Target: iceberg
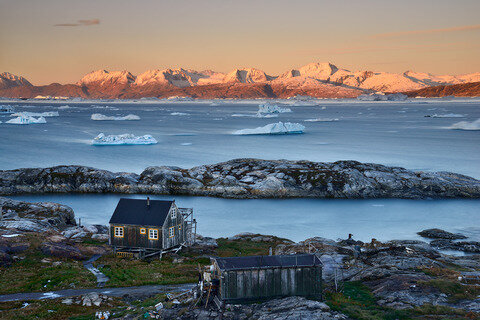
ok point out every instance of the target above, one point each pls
(26, 120)
(270, 110)
(465, 125)
(65, 107)
(5, 108)
(101, 117)
(122, 139)
(273, 128)
(382, 97)
(36, 114)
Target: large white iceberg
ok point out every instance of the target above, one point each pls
(273, 128)
(26, 120)
(268, 110)
(36, 114)
(102, 117)
(465, 125)
(122, 139)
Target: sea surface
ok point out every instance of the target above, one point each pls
(196, 133)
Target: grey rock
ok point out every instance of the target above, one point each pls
(465, 246)
(61, 250)
(440, 234)
(249, 178)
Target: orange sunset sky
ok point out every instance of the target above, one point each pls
(60, 40)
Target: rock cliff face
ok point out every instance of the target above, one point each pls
(249, 178)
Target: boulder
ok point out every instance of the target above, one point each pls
(440, 234)
(61, 250)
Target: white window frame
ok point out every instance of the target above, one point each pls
(118, 232)
(152, 234)
(174, 213)
(171, 232)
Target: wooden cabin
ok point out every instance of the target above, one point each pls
(242, 279)
(144, 227)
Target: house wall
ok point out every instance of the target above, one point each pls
(133, 239)
(179, 226)
(257, 284)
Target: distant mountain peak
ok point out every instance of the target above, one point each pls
(9, 80)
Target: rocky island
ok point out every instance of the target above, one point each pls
(248, 178)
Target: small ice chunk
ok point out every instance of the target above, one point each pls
(321, 120)
(36, 114)
(6, 108)
(447, 115)
(465, 125)
(26, 120)
(186, 144)
(267, 110)
(273, 128)
(179, 114)
(102, 117)
(122, 139)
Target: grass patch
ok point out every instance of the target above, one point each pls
(32, 275)
(453, 289)
(237, 248)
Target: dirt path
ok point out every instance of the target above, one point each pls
(140, 291)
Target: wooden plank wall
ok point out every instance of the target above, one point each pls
(273, 282)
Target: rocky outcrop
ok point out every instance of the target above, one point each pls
(62, 250)
(249, 178)
(458, 90)
(36, 217)
(440, 234)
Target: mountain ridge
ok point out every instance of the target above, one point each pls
(323, 80)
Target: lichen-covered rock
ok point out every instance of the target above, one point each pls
(62, 250)
(249, 178)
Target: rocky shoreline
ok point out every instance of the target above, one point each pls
(248, 178)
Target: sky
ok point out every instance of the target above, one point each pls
(61, 40)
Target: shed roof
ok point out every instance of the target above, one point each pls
(260, 262)
(137, 212)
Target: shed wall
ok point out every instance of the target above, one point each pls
(271, 282)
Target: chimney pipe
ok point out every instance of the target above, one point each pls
(148, 202)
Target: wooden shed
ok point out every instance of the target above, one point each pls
(264, 277)
(144, 227)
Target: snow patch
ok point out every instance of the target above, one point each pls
(465, 125)
(102, 117)
(273, 128)
(122, 139)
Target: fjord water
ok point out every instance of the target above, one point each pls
(195, 133)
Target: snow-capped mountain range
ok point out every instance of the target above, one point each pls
(317, 79)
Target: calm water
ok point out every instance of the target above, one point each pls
(389, 133)
(298, 219)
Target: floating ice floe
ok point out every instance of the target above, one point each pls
(447, 115)
(273, 128)
(382, 97)
(36, 114)
(186, 144)
(95, 106)
(321, 120)
(465, 125)
(102, 117)
(179, 114)
(5, 108)
(65, 107)
(122, 139)
(26, 120)
(268, 110)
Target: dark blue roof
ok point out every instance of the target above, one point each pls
(258, 262)
(136, 212)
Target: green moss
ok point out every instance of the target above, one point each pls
(453, 289)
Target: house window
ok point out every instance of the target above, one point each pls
(152, 234)
(171, 232)
(179, 227)
(118, 232)
(143, 231)
(174, 213)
